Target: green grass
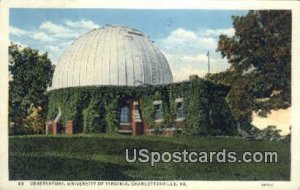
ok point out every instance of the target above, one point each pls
(102, 157)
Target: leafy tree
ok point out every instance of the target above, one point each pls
(34, 121)
(270, 133)
(31, 73)
(259, 55)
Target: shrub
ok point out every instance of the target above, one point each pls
(34, 123)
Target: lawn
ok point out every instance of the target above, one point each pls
(102, 157)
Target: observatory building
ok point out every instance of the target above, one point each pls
(114, 79)
(112, 55)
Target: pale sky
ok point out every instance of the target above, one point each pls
(280, 118)
(184, 36)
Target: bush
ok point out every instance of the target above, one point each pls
(270, 133)
(16, 129)
(34, 123)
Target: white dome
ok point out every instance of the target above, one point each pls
(112, 55)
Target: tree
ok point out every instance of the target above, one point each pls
(270, 133)
(259, 55)
(31, 74)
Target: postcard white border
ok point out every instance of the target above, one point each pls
(157, 4)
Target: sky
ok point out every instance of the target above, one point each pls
(184, 36)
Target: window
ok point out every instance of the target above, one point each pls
(158, 112)
(180, 108)
(124, 115)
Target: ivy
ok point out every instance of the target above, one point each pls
(96, 109)
(112, 116)
(93, 117)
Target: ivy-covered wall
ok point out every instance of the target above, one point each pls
(96, 109)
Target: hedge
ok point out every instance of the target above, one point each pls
(95, 109)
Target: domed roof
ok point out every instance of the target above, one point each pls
(111, 55)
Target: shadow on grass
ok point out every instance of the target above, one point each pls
(90, 145)
(36, 168)
(70, 159)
